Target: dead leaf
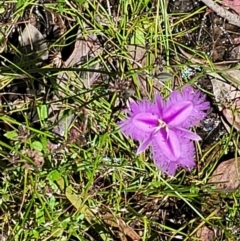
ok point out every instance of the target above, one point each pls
(85, 48)
(226, 94)
(232, 114)
(233, 4)
(122, 226)
(226, 179)
(205, 234)
(33, 43)
(226, 176)
(222, 12)
(223, 89)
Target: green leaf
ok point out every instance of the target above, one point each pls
(45, 143)
(65, 223)
(52, 202)
(55, 176)
(138, 37)
(19, 3)
(35, 234)
(164, 77)
(74, 155)
(2, 10)
(12, 135)
(36, 145)
(40, 216)
(43, 112)
(74, 199)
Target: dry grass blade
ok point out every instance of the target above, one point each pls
(122, 226)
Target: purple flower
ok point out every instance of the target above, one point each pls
(164, 125)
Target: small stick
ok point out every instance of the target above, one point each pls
(222, 12)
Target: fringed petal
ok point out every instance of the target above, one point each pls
(198, 100)
(144, 145)
(186, 159)
(177, 113)
(189, 134)
(168, 143)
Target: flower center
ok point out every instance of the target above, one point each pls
(161, 124)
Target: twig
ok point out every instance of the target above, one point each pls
(232, 18)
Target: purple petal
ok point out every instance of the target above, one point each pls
(177, 113)
(143, 106)
(200, 105)
(198, 100)
(168, 143)
(132, 131)
(142, 115)
(187, 163)
(144, 145)
(189, 134)
(186, 160)
(145, 122)
(172, 168)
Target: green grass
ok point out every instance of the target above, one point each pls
(92, 186)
